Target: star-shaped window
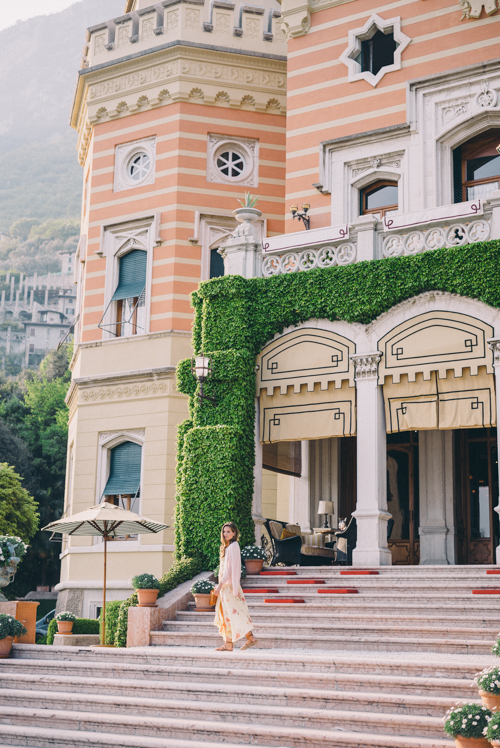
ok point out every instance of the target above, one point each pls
(375, 49)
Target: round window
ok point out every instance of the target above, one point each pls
(231, 164)
(139, 167)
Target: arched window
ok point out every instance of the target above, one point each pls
(379, 198)
(476, 167)
(130, 294)
(123, 486)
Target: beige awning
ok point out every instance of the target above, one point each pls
(306, 415)
(450, 403)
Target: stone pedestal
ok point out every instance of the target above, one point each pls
(371, 504)
(366, 226)
(77, 640)
(24, 611)
(241, 251)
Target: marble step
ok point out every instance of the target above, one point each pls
(356, 643)
(144, 662)
(313, 627)
(275, 725)
(16, 690)
(386, 677)
(37, 737)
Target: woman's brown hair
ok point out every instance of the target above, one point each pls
(234, 539)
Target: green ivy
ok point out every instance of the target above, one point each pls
(80, 626)
(234, 319)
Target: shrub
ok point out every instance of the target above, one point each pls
(112, 613)
(467, 720)
(488, 680)
(80, 626)
(492, 732)
(182, 570)
(10, 626)
(145, 582)
(202, 587)
(253, 553)
(66, 615)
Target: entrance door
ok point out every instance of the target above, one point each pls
(402, 497)
(477, 521)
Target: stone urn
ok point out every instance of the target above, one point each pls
(7, 574)
(202, 601)
(65, 627)
(254, 565)
(147, 598)
(472, 742)
(247, 215)
(5, 647)
(491, 700)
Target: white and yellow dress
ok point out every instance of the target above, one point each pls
(231, 612)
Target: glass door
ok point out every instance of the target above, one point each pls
(402, 497)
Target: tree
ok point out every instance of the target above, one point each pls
(18, 510)
(22, 227)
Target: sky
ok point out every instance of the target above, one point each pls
(20, 10)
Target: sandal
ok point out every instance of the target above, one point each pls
(251, 643)
(224, 648)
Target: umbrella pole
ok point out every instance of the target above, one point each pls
(103, 633)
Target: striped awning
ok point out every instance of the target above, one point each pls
(105, 519)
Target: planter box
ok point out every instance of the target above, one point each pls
(76, 640)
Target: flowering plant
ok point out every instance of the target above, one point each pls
(488, 680)
(202, 587)
(253, 553)
(11, 627)
(496, 647)
(467, 720)
(145, 582)
(11, 547)
(65, 615)
(492, 732)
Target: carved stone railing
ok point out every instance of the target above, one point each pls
(325, 257)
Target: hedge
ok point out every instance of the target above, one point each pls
(112, 612)
(80, 626)
(234, 319)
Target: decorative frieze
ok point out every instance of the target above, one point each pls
(136, 390)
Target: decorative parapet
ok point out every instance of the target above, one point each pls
(305, 250)
(366, 364)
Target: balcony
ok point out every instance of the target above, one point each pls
(370, 238)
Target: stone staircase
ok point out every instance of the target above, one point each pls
(374, 668)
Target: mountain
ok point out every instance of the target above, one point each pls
(39, 59)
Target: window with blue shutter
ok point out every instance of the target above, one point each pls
(132, 278)
(129, 296)
(124, 470)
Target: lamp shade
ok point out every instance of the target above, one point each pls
(202, 367)
(325, 507)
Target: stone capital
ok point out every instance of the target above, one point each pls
(494, 344)
(366, 365)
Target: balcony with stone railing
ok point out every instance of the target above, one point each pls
(369, 238)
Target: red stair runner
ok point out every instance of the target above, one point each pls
(359, 573)
(486, 592)
(278, 573)
(340, 591)
(285, 600)
(305, 581)
(272, 590)
(493, 571)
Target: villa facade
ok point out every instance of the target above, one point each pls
(390, 136)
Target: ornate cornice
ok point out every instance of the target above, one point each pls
(366, 364)
(178, 74)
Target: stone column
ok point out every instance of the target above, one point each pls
(436, 529)
(241, 251)
(494, 344)
(371, 504)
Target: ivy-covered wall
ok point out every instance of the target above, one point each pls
(234, 318)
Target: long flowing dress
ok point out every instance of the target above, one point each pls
(231, 612)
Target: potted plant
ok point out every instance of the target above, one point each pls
(201, 592)
(248, 212)
(488, 684)
(9, 628)
(493, 730)
(65, 621)
(147, 588)
(254, 558)
(467, 723)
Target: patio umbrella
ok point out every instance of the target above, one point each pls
(107, 521)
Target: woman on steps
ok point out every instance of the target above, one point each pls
(231, 612)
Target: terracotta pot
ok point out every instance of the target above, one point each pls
(5, 647)
(147, 598)
(491, 700)
(254, 565)
(471, 742)
(64, 627)
(202, 600)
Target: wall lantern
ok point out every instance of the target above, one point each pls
(302, 216)
(201, 368)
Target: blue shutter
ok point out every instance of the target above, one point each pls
(132, 279)
(125, 470)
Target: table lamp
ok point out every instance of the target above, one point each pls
(326, 508)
